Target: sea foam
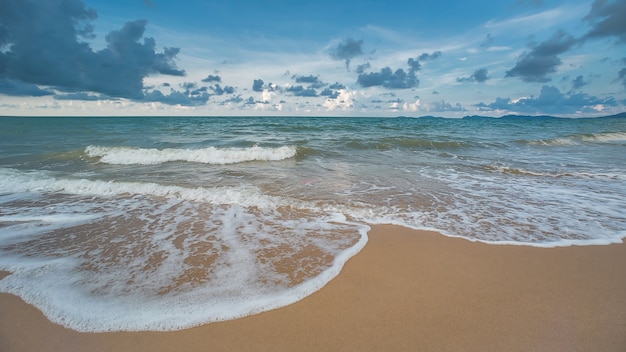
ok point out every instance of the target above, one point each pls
(209, 155)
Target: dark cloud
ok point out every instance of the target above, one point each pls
(363, 67)
(347, 50)
(44, 44)
(257, 85)
(337, 85)
(177, 98)
(479, 75)
(301, 91)
(19, 88)
(549, 101)
(306, 79)
(414, 64)
(212, 78)
(542, 60)
(578, 83)
(330, 93)
(314, 81)
(622, 76)
(607, 18)
(389, 79)
(188, 85)
(429, 57)
(218, 90)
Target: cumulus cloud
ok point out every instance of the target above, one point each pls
(177, 98)
(330, 93)
(542, 60)
(218, 90)
(44, 44)
(479, 75)
(337, 86)
(257, 85)
(301, 91)
(347, 50)
(607, 19)
(388, 79)
(550, 101)
(415, 64)
(212, 78)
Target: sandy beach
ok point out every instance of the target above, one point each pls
(405, 291)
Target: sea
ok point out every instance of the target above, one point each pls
(165, 223)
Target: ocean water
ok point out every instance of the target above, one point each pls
(126, 224)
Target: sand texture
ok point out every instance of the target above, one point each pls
(406, 291)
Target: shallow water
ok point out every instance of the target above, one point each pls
(165, 223)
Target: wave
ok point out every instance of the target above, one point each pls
(389, 143)
(13, 181)
(605, 137)
(523, 172)
(209, 155)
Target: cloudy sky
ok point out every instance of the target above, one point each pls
(317, 58)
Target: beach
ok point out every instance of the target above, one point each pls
(406, 290)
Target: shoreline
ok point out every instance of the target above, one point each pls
(406, 290)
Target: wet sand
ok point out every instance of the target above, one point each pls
(406, 291)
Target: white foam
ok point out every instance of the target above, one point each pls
(210, 155)
(39, 181)
(98, 277)
(122, 297)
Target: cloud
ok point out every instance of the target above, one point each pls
(330, 93)
(578, 83)
(607, 19)
(300, 91)
(415, 64)
(347, 50)
(218, 90)
(307, 79)
(429, 57)
(80, 96)
(177, 98)
(487, 42)
(19, 88)
(479, 75)
(388, 79)
(622, 76)
(212, 78)
(542, 60)
(337, 86)
(257, 85)
(363, 67)
(550, 101)
(442, 106)
(43, 44)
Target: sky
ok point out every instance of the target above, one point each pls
(312, 58)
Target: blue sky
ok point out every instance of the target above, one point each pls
(322, 58)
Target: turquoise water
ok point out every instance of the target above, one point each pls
(112, 224)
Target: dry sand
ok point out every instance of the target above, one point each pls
(406, 291)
